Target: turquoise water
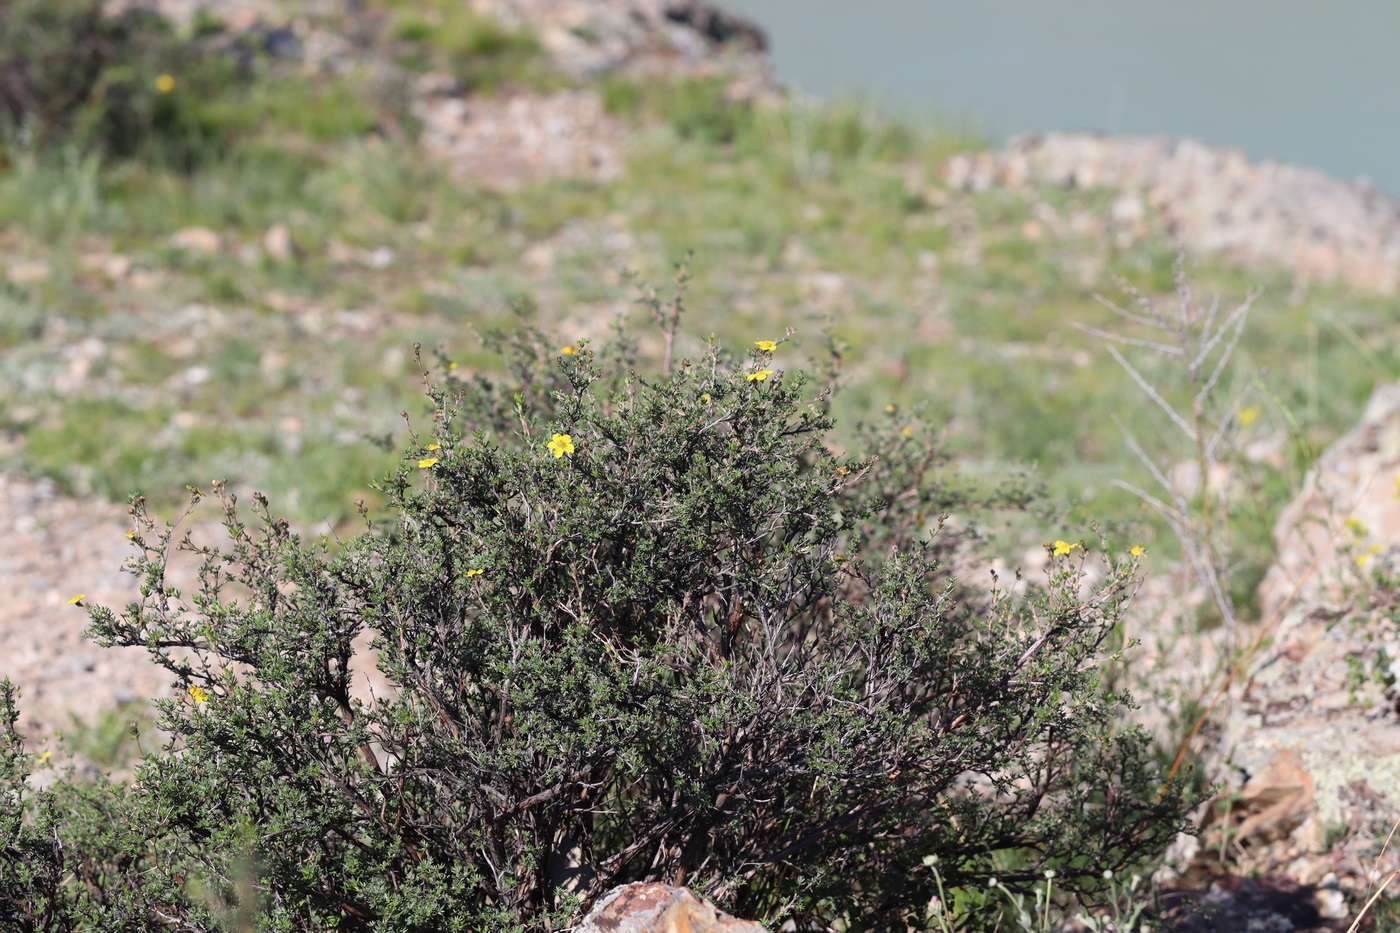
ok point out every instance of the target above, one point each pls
(1298, 80)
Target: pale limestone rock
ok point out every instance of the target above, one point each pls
(199, 240)
(1309, 743)
(278, 245)
(28, 272)
(1213, 199)
(1350, 504)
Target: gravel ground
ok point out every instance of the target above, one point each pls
(53, 548)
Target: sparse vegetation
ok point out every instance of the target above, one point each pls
(483, 54)
(679, 639)
(130, 363)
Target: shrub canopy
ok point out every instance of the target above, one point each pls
(637, 628)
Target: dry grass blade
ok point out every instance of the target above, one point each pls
(1375, 895)
(1381, 888)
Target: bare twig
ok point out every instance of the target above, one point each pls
(1152, 393)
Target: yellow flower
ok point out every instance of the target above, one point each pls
(767, 346)
(435, 447)
(561, 444)
(890, 409)
(761, 375)
(200, 694)
(1248, 415)
(1061, 548)
(474, 573)
(427, 462)
(844, 471)
(1363, 559)
(451, 365)
(1137, 550)
(705, 397)
(44, 758)
(165, 84)
(907, 432)
(1357, 527)
(570, 350)
(131, 533)
(78, 600)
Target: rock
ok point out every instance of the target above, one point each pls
(515, 138)
(505, 143)
(1213, 199)
(1344, 523)
(590, 38)
(1309, 750)
(1272, 803)
(145, 280)
(339, 252)
(1331, 904)
(652, 907)
(278, 245)
(28, 272)
(719, 27)
(200, 240)
(1232, 904)
(116, 267)
(381, 257)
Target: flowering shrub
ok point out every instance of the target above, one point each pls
(638, 628)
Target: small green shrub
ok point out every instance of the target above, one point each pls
(480, 51)
(72, 74)
(637, 628)
(32, 895)
(698, 109)
(126, 86)
(52, 56)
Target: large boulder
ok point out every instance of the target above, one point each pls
(1338, 532)
(1309, 748)
(1213, 199)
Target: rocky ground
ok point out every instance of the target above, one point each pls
(1310, 750)
(53, 548)
(1214, 200)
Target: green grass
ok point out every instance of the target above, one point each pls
(117, 737)
(482, 53)
(829, 220)
(959, 309)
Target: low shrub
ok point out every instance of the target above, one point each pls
(481, 52)
(637, 627)
(699, 109)
(126, 86)
(71, 74)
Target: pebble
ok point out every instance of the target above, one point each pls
(199, 240)
(1331, 903)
